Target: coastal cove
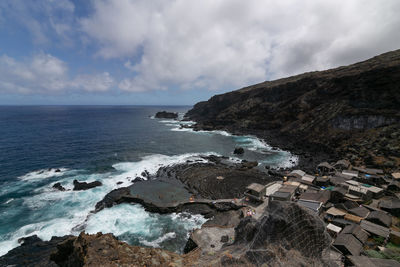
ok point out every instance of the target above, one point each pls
(114, 145)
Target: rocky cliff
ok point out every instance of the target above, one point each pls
(351, 111)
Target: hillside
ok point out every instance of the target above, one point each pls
(351, 111)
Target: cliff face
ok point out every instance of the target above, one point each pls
(351, 111)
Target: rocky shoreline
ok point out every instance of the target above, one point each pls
(324, 213)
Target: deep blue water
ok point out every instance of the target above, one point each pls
(106, 143)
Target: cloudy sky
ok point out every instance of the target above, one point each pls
(178, 51)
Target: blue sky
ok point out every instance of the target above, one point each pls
(177, 52)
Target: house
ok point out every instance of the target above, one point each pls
(296, 174)
(396, 175)
(359, 191)
(392, 206)
(377, 192)
(364, 261)
(353, 218)
(380, 217)
(319, 196)
(292, 189)
(342, 164)
(314, 206)
(272, 188)
(333, 213)
(394, 186)
(255, 191)
(280, 196)
(357, 232)
(394, 237)
(371, 179)
(325, 168)
(333, 230)
(368, 170)
(348, 244)
(359, 211)
(375, 229)
(322, 181)
(337, 194)
(307, 179)
(350, 173)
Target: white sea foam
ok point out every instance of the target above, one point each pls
(151, 164)
(43, 174)
(156, 243)
(126, 219)
(8, 201)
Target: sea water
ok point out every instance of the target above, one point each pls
(42, 145)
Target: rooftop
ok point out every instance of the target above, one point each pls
(256, 187)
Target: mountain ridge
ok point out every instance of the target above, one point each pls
(350, 111)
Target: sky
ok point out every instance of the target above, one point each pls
(178, 52)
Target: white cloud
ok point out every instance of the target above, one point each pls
(46, 20)
(232, 43)
(44, 74)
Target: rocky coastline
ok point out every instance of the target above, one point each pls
(322, 117)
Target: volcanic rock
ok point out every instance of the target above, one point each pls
(84, 185)
(331, 114)
(166, 115)
(238, 150)
(58, 186)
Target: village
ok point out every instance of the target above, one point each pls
(359, 206)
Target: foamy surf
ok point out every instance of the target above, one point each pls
(57, 213)
(43, 174)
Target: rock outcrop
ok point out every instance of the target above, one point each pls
(85, 186)
(352, 112)
(166, 115)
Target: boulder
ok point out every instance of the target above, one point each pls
(58, 186)
(238, 151)
(166, 115)
(84, 185)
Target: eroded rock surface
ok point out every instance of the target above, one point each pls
(351, 112)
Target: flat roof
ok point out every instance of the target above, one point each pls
(334, 228)
(256, 187)
(335, 212)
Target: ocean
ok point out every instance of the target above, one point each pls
(42, 145)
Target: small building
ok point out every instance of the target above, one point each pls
(280, 196)
(368, 170)
(375, 229)
(360, 191)
(377, 192)
(352, 218)
(325, 168)
(307, 179)
(394, 237)
(342, 164)
(394, 186)
(364, 261)
(333, 230)
(335, 213)
(357, 232)
(272, 188)
(255, 191)
(296, 174)
(350, 173)
(380, 217)
(348, 244)
(340, 222)
(314, 206)
(337, 194)
(392, 206)
(322, 181)
(292, 189)
(396, 175)
(320, 196)
(359, 211)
